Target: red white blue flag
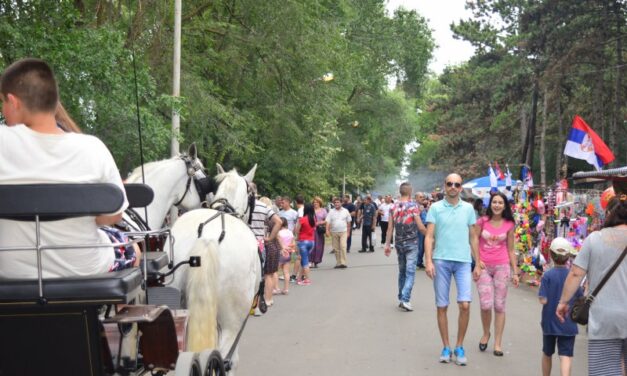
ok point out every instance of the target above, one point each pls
(498, 172)
(584, 143)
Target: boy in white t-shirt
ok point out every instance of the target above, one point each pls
(35, 149)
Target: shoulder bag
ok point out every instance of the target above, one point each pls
(581, 306)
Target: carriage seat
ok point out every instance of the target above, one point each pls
(109, 288)
(138, 195)
(30, 202)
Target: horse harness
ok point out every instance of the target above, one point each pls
(204, 185)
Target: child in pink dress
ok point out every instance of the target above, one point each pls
(288, 246)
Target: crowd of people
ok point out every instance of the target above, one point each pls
(456, 240)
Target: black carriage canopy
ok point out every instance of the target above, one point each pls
(618, 176)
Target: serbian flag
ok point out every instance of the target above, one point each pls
(508, 178)
(497, 170)
(584, 143)
(493, 179)
(526, 177)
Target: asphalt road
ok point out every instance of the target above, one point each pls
(347, 323)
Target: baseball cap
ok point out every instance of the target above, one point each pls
(562, 247)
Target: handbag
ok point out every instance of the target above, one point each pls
(321, 229)
(581, 306)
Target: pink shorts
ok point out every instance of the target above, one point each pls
(492, 287)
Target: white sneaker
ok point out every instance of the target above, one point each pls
(406, 306)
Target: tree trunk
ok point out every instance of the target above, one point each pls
(523, 126)
(529, 146)
(545, 116)
(616, 117)
(559, 150)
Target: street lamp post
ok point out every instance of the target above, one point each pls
(176, 92)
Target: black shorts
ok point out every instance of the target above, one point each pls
(565, 345)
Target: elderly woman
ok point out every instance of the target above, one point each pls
(607, 323)
(320, 216)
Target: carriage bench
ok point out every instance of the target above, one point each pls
(51, 326)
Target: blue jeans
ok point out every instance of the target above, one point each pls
(407, 255)
(305, 246)
(421, 250)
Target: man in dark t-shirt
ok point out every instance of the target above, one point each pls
(369, 222)
(348, 205)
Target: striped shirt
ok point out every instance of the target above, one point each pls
(261, 219)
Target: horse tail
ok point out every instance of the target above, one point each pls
(202, 296)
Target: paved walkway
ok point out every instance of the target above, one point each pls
(348, 323)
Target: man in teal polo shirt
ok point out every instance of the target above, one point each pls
(451, 225)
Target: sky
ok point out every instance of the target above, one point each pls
(440, 14)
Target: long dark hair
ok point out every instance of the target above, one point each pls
(309, 212)
(507, 210)
(616, 212)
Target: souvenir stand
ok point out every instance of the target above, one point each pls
(564, 212)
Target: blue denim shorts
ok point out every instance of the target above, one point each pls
(565, 345)
(445, 271)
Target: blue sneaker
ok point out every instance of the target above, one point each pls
(445, 356)
(460, 356)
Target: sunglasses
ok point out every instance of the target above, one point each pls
(450, 184)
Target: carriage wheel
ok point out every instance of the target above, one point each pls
(187, 364)
(212, 363)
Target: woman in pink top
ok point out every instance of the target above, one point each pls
(497, 261)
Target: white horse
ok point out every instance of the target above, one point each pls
(175, 182)
(220, 292)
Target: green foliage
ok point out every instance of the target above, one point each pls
(251, 81)
(574, 50)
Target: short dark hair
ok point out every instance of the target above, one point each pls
(559, 259)
(33, 82)
(405, 189)
(300, 199)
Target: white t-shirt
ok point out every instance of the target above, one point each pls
(385, 211)
(29, 157)
(291, 216)
(337, 219)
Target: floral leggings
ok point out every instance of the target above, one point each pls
(492, 287)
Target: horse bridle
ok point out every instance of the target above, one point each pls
(223, 205)
(204, 185)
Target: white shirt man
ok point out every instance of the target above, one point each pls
(338, 226)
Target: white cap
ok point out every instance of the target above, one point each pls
(562, 247)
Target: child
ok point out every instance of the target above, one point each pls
(33, 150)
(286, 239)
(554, 332)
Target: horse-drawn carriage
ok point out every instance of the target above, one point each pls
(130, 321)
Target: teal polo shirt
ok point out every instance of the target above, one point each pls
(452, 231)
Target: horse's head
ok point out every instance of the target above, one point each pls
(194, 194)
(234, 190)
